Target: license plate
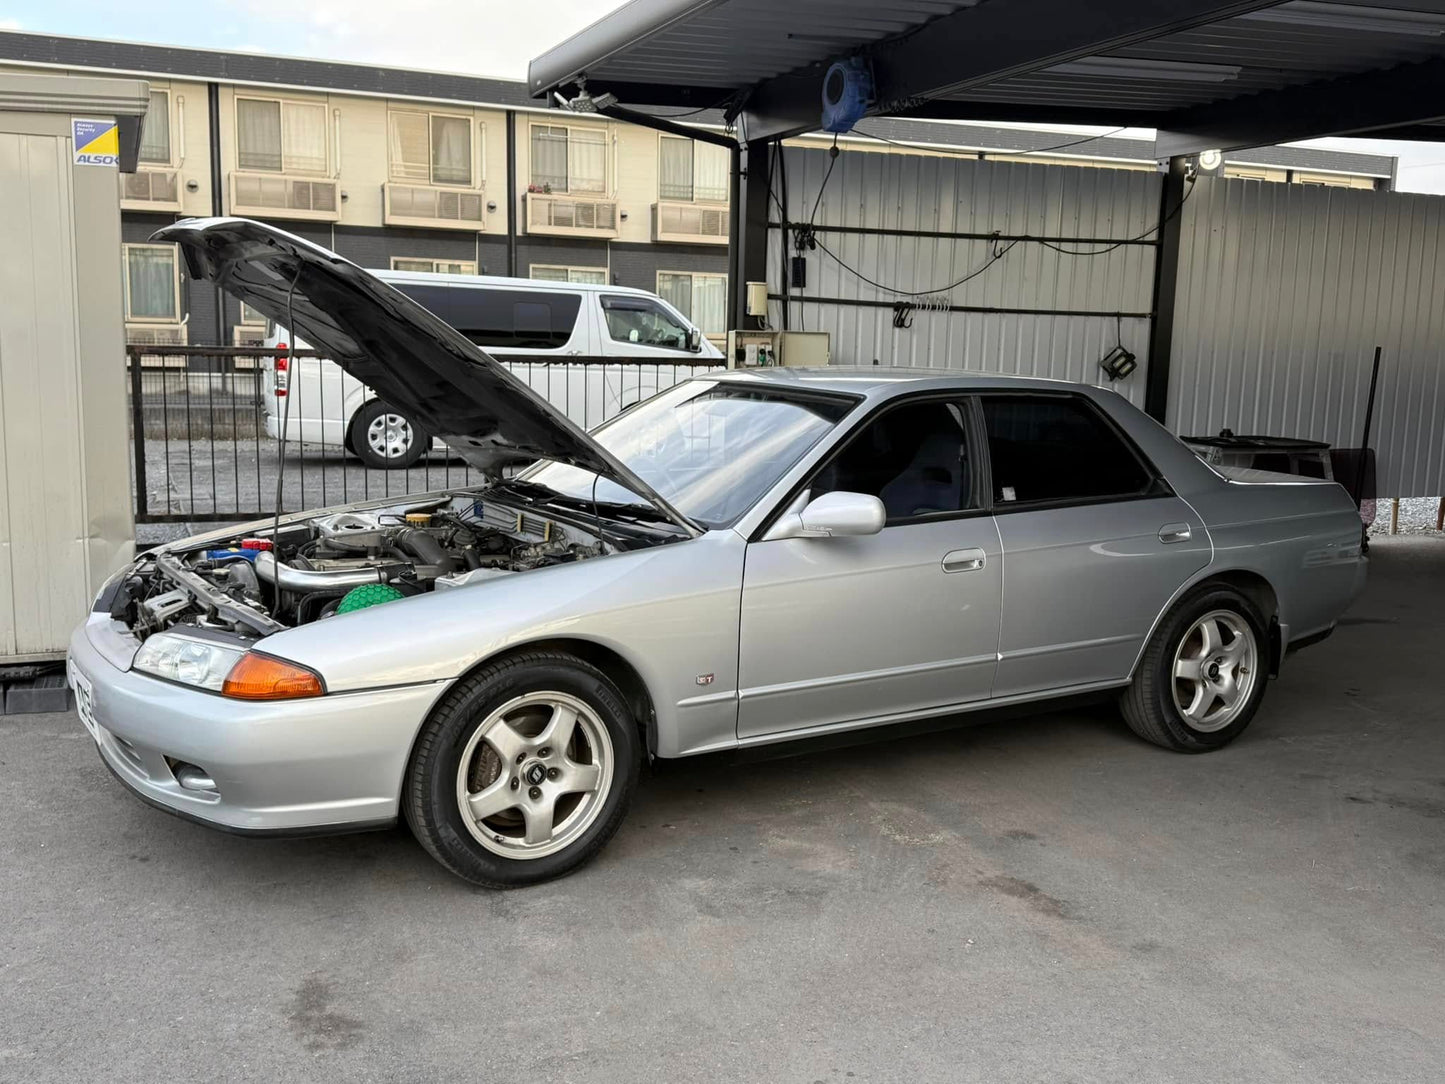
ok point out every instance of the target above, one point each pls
(84, 701)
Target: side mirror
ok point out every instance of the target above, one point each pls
(832, 515)
(694, 340)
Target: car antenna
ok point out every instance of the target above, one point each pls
(281, 449)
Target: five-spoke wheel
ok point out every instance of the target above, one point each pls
(524, 770)
(1202, 674)
(533, 775)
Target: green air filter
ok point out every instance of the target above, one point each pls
(371, 594)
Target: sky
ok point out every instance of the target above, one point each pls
(478, 37)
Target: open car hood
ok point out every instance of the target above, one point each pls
(387, 341)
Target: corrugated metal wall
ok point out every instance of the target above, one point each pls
(953, 195)
(1284, 291)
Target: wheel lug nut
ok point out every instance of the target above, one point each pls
(545, 751)
(535, 793)
(521, 757)
(553, 773)
(515, 784)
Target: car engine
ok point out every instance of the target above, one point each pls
(336, 563)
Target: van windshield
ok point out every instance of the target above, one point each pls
(710, 448)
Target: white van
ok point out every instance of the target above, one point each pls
(555, 336)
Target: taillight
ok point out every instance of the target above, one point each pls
(265, 677)
(283, 372)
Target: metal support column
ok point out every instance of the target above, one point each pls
(1166, 280)
(513, 208)
(748, 252)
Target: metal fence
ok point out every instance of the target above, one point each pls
(204, 421)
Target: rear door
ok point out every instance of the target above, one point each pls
(1095, 544)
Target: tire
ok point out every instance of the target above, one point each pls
(385, 438)
(485, 772)
(1168, 705)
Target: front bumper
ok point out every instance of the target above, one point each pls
(329, 764)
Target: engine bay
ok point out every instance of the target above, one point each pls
(313, 569)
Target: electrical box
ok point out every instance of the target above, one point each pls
(751, 349)
(758, 299)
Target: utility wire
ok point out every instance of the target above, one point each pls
(1128, 240)
(975, 154)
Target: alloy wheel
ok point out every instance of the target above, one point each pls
(534, 775)
(1215, 668)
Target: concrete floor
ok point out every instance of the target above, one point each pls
(1043, 899)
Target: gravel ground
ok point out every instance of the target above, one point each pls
(1417, 514)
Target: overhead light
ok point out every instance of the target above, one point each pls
(1210, 160)
(1126, 67)
(586, 103)
(1422, 24)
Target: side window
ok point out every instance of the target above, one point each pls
(914, 458)
(1056, 448)
(502, 318)
(642, 320)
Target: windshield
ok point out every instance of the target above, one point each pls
(710, 448)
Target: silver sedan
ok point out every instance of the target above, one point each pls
(750, 558)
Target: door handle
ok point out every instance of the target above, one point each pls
(1175, 532)
(964, 560)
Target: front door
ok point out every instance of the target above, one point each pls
(892, 625)
(1094, 544)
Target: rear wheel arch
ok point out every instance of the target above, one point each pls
(1259, 591)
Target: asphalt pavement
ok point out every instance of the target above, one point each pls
(1042, 899)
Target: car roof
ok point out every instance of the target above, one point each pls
(878, 381)
(439, 278)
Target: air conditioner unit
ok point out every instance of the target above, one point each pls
(571, 216)
(277, 195)
(158, 335)
(151, 190)
(690, 223)
(439, 208)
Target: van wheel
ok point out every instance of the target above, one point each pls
(524, 770)
(385, 438)
(1203, 674)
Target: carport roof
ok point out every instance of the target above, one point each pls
(1206, 73)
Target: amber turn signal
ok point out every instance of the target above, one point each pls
(262, 677)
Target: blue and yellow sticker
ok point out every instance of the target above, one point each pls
(97, 143)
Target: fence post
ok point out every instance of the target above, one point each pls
(138, 429)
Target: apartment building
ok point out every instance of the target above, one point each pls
(410, 170)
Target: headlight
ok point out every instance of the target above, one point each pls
(226, 669)
(188, 660)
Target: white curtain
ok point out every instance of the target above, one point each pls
(151, 282)
(549, 157)
(710, 302)
(587, 161)
(712, 172)
(596, 276)
(303, 137)
(676, 290)
(549, 274)
(409, 153)
(451, 150)
(155, 130)
(674, 179)
(258, 135)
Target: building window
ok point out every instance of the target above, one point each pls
(702, 298)
(557, 273)
(433, 148)
(155, 130)
(572, 160)
(444, 267)
(275, 136)
(251, 317)
(692, 171)
(152, 284)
